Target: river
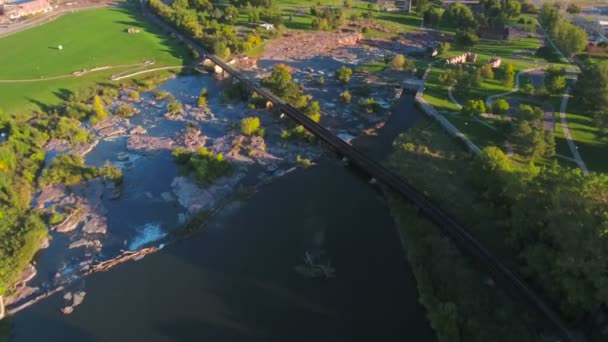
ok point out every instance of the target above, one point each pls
(235, 281)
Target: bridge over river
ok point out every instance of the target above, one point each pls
(458, 233)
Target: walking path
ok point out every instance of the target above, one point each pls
(568, 135)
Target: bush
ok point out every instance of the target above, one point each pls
(321, 80)
(174, 106)
(67, 169)
(346, 97)
(343, 74)
(473, 108)
(250, 125)
(202, 98)
(125, 111)
(111, 172)
(181, 155)
(207, 167)
(487, 72)
(134, 96)
(444, 47)
(466, 38)
(399, 61)
(161, 94)
(100, 112)
(303, 162)
(500, 106)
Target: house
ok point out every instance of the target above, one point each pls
(27, 8)
(268, 27)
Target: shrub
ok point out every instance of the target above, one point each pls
(67, 169)
(111, 172)
(250, 125)
(181, 155)
(473, 108)
(161, 94)
(399, 61)
(444, 47)
(500, 106)
(207, 167)
(466, 38)
(303, 162)
(100, 112)
(343, 74)
(346, 97)
(202, 98)
(125, 111)
(174, 106)
(134, 96)
(487, 72)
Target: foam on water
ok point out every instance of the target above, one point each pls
(150, 232)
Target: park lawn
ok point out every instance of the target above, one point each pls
(592, 149)
(91, 38)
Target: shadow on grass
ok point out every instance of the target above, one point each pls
(174, 48)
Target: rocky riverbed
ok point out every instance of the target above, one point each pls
(102, 220)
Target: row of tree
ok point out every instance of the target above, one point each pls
(570, 38)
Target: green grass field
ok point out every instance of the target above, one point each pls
(92, 38)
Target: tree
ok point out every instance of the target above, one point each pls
(570, 38)
(231, 14)
(529, 113)
(466, 37)
(100, 112)
(280, 82)
(250, 125)
(346, 97)
(432, 16)
(399, 61)
(509, 76)
(202, 98)
(592, 89)
(444, 47)
(487, 72)
(500, 106)
(343, 74)
(473, 108)
(556, 84)
(313, 111)
(174, 106)
(549, 16)
(461, 16)
(573, 8)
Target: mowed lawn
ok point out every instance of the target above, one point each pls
(91, 38)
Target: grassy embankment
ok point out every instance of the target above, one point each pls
(91, 38)
(462, 302)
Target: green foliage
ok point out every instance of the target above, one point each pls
(205, 166)
(473, 108)
(70, 129)
(500, 106)
(125, 111)
(202, 98)
(111, 172)
(444, 47)
(161, 94)
(250, 125)
(174, 106)
(313, 111)
(399, 62)
(573, 8)
(508, 78)
(343, 74)
(370, 105)
(321, 80)
(280, 83)
(55, 218)
(100, 112)
(529, 113)
(432, 16)
(303, 162)
(466, 37)
(346, 97)
(67, 169)
(487, 72)
(181, 155)
(570, 38)
(461, 16)
(134, 96)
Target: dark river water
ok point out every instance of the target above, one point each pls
(235, 281)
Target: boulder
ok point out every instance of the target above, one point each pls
(67, 310)
(138, 130)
